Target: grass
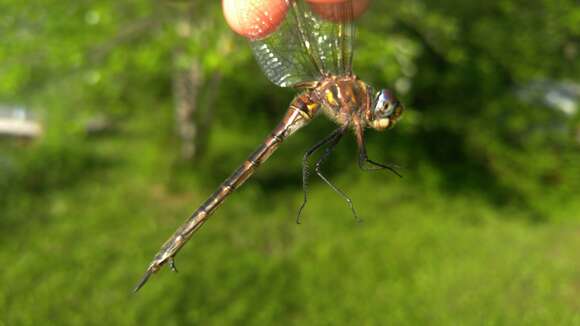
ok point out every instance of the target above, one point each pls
(72, 254)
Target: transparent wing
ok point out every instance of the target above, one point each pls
(315, 39)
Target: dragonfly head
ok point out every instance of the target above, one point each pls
(385, 110)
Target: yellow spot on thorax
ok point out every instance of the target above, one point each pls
(330, 98)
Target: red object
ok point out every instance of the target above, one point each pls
(254, 19)
(335, 10)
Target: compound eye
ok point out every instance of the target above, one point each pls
(389, 109)
(381, 102)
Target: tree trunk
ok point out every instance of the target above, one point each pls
(207, 112)
(187, 83)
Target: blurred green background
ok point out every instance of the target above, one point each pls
(146, 106)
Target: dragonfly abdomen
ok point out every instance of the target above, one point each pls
(302, 109)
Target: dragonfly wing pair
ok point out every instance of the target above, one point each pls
(314, 40)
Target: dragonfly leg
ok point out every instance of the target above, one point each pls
(306, 166)
(172, 265)
(375, 166)
(318, 170)
(364, 161)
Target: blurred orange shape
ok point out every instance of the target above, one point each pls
(254, 19)
(337, 10)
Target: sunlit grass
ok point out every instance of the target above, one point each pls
(419, 257)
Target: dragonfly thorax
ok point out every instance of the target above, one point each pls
(346, 99)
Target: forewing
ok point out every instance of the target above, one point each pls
(313, 40)
(334, 33)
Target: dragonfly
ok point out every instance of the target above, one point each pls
(306, 45)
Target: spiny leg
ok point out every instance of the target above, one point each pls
(318, 167)
(306, 166)
(379, 166)
(363, 158)
(172, 265)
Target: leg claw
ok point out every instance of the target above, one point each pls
(172, 265)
